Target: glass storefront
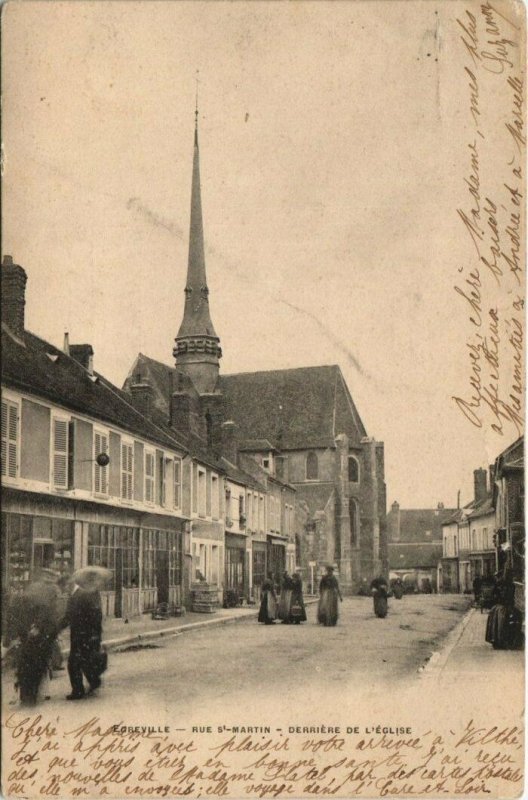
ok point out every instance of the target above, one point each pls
(31, 542)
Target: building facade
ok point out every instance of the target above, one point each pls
(415, 544)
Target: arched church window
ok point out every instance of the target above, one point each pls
(353, 469)
(312, 466)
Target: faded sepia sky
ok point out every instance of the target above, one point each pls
(333, 147)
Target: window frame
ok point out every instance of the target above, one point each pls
(215, 496)
(201, 486)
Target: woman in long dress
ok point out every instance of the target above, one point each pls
(285, 599)
(329, 592)
(268, 603)
(297, 608)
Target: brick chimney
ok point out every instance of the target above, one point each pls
(83, 354)
(395, 522)
(142, 396)
(14, 280)
(230, 441)
(481, 484)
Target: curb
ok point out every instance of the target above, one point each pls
(110, 644)
(177, 630)
(439, 658)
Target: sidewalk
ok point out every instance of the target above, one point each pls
(118, 633)
(466, 653)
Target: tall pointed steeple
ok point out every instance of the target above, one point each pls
(197, 350)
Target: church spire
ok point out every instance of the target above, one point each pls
(197, 350)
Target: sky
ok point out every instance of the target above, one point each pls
(333, 145)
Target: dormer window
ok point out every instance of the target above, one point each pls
(312, 466)
(265, 463)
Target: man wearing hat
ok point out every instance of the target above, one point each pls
(84, 616)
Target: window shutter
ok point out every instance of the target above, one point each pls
(9, 439)
(127, 466)
(149, 477)
(60, 453)
(100, 473)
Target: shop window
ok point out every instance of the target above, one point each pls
(312, 467)
(9, 439)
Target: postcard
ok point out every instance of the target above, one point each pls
(263, 399)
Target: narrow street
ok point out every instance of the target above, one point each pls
(245, 665)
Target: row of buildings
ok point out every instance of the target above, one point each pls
(183, 481)
(486, 536)
(445, 549)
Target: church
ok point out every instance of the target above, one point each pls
(295, 429)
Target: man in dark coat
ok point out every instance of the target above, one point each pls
(84, 616)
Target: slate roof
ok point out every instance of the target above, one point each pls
(482, 508)
(414, 556)
(414, 522)
(293, 408)
(316, 403)
(26, 365)
(256, 446)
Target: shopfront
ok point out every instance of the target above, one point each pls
(259, 567)
(30, 542)
(145, 562)
(276, 554)
(236, 566)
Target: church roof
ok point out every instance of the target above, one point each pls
(292, 408)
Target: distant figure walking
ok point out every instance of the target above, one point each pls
(268, 603)
(329, 592)
(285, 598)
(297, 608)
(84, 616)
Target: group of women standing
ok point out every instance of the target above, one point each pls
(289, 606)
